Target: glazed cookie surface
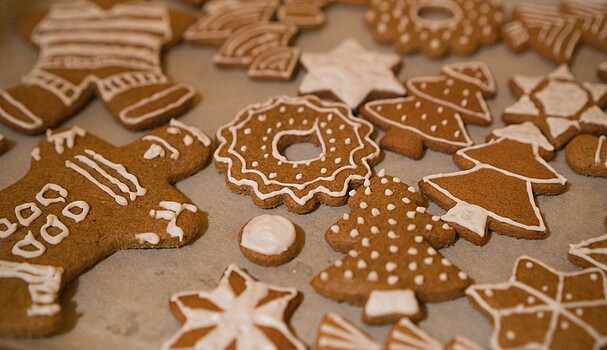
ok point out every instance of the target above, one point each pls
(250, 153)
(82, 200)
(435, 27)
(270, 240)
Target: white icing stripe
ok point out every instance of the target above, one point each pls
(313, 130)
(597, 154)
(400, 339)
(346, 337)
(173, 150)
(461, 221)
(119, 199)
(558, 178)
(64, 138)
(117, 37)
(581, 250)
(268, 235)
(96, 49)
(286, 187)
(200, 136)
(369, 107)
(34, 121)
(187, 95)
(46, 201)
(43, 285)
(557, 306)
(148, 237)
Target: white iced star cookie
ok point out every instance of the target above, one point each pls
(351, 74)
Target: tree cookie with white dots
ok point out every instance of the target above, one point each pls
(541, 308)
(390, 249)
(82, 200)
(251, 153)
(270, 240)
(435, 27)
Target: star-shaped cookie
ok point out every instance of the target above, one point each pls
(540, 308)
(241, 313)
(351, 74)
(559, 105)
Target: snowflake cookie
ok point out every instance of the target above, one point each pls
(251, 153)
(541, 308)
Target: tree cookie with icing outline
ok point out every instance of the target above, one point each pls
(250, 153)
(542, 308)
(86, 50)
(560, 106)
(240, 313)
(587, 155)
(270, 240)
(82, 200)
(433, 114)
(435, 27)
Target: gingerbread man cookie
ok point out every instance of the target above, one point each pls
(435, 27)
(542, 308)
(559, 105)
(434, 113)
(351, 74)
(240, 313)
(82, 200)
(87, 50)
(250, 153)
(587, 155)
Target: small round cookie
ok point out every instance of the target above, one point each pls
(251, 153)
(435, 27)
(270, 240)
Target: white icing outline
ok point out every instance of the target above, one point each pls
(153, 138)
(452, 70)
(264, 65)
(556, 306)
(558, 126)
(43, 282)
(36, 212)
(268, 235)
(10, 228)
(190, 92)
(53, 221)
(46, 201)
(525, 132)
(197, 133)
(148, 237)
(28, 240)
(36, 122)
(76, 204)
(173, 209)
(64, 138)
(581, 250)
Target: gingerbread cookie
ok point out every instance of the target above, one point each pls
(303, 15)
(603, 70)
(389, 306)
(113, 53)
(542, 308)
(278, 63)
(525, 132)
(82, 200)
(240, 313)
(250, 153)
(594, 21)
(589, 253)
(270, 240)
(216, 27)
(406, 335)
(391, 255)
(435, 27)
(587, 155)
(376, 207)
(351, 74)
(337, 333)
(495, 191)
(3, 144)
(434, 113)
(559, 105)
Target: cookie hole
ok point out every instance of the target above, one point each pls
(435, 13)
(299, 148)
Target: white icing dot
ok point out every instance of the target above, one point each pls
(420, 210)
(243, 148)
(361, 264)
(247, 131)
(360, 220)
(385, 181)
(429, 260)
(368, 191)
(396, 179)
(392, 235)
(323, 170)
(530, 300)
(365, 242)
(298, 176)
(510, 335)
(392, 280)
(374, 254)
(272, 175)
(579, 312)
(346, 216)
(411, 227)
(428, 227)
(568, 296)
(282, 109)
(363, 205)
(445, 262)
(412, 251)
(338, 263)
(337, 160)
(254, 164)
(391, 206)
(388, 192)
(412, 266)
(593, 277)
(544, 288)
(419, 239)
(324, 276)
(352, 193)
(419, 280)
(354, 233)
(564, 325)
(489, 293)
(435, 218)
(446, 227)
(375, 212)
(348, 274)
(393, 249)
(406, 200)
(335, 228)
(411, 189)
(462, 275)
(372, 276)
(392, 222)
(347, 141)
(390, 266)
(540, 315)
(410, 214)
(431, 251)
(374, 230)
(353, 253)
(442, 277)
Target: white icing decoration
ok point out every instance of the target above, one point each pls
(46, 201)
(94, 163)
(597, 91)
(558, 126)
(84, 210)
(35, 153)
(173, 209)
(405, 335)
(562, 72)
(33, 122)
(562, 99)
(556, 305)
(523, 106)
(43, 285)
(153, 152)
(351, 72)
(268, 234)
(594, 116)
(454, 70)
(199, 135)
(597, 153)
(10, 228)
(391, 302)
(344, 336)
(36, 212)
(28, 240)
(314, 182)
(239, 316)
(525, 132)
(65, 138)
(583, 251)
(148, 237)
(527, 83)
(53, 221)
(165, 143)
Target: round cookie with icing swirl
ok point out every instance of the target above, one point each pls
(270, 240)
(251, 153)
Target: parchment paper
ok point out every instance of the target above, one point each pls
(122, 302)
